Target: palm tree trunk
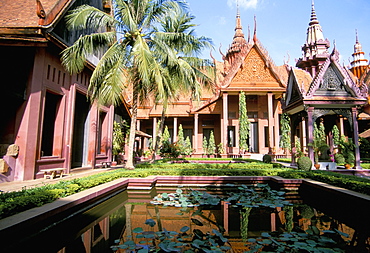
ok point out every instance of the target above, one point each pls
(160, 130)
(131, 140)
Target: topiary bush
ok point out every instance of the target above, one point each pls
(266, 158)
(304, 163)
(339, 158)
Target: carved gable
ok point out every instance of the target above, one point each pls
(254, 69)
(332, 84)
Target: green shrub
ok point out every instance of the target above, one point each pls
(339, 158)
(266, 158)
(304, 163)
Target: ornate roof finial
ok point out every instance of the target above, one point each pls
(249, 34)
(313, 14)
(40, 10)
(238, 39)
(255, 29)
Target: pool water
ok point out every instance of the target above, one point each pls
(122, 218)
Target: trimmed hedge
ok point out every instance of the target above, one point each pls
(15, 202)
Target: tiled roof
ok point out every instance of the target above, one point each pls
(303, 77)
(23, 13)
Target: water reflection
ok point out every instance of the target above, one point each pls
(98, 228)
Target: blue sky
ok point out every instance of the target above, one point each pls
(282, 24)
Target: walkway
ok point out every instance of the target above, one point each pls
(74, 173)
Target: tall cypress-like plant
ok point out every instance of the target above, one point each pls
(211, 144)
(243, 123)
(285, 131)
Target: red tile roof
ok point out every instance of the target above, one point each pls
(23, 13)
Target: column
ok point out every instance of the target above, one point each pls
(355, 138)
(304, 137)
(224, 124)
(270, 104)
(310, 133)
(140, 138)
(154, 137)
(195, 139)
(292, 140)
(276, 127)
(174, 129)
(341, 126)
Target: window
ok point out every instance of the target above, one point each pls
(102, 141)
(51, 107)
(231, 136)
(266, 136)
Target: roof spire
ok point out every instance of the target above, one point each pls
(359, 63)
(238, 39)
(255, 29)
(313, 14)
(315, 49)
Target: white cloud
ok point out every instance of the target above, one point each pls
(246, 4)
(222, 20)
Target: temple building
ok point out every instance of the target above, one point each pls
(322, 90)
(47, 120)
(247, 68)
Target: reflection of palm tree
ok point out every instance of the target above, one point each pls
(145, 56)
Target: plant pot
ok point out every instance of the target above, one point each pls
(317, 166)
(114, 163)
(347, 166)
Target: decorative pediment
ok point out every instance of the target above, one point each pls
(254, 69)
(332, 84)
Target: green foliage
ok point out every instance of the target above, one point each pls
(347, 149)
(165, 137)
(220, 148)
(211, 148)
(364, 148)
(339, 158)
(169, 150)
(205, 145)
(304, 163)
(285, 131)
(266, 158)
(309, 241)
(118, 138)
(244, 124)
(336, 135)
(188, 148)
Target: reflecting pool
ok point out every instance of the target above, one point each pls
(222, 219)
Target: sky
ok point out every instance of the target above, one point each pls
(282, 25)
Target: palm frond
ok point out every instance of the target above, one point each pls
(74, 57)
(89, 17)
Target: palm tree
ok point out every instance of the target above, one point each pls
(138, 54)
(187, 72)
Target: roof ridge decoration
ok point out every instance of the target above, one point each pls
(40, 10)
